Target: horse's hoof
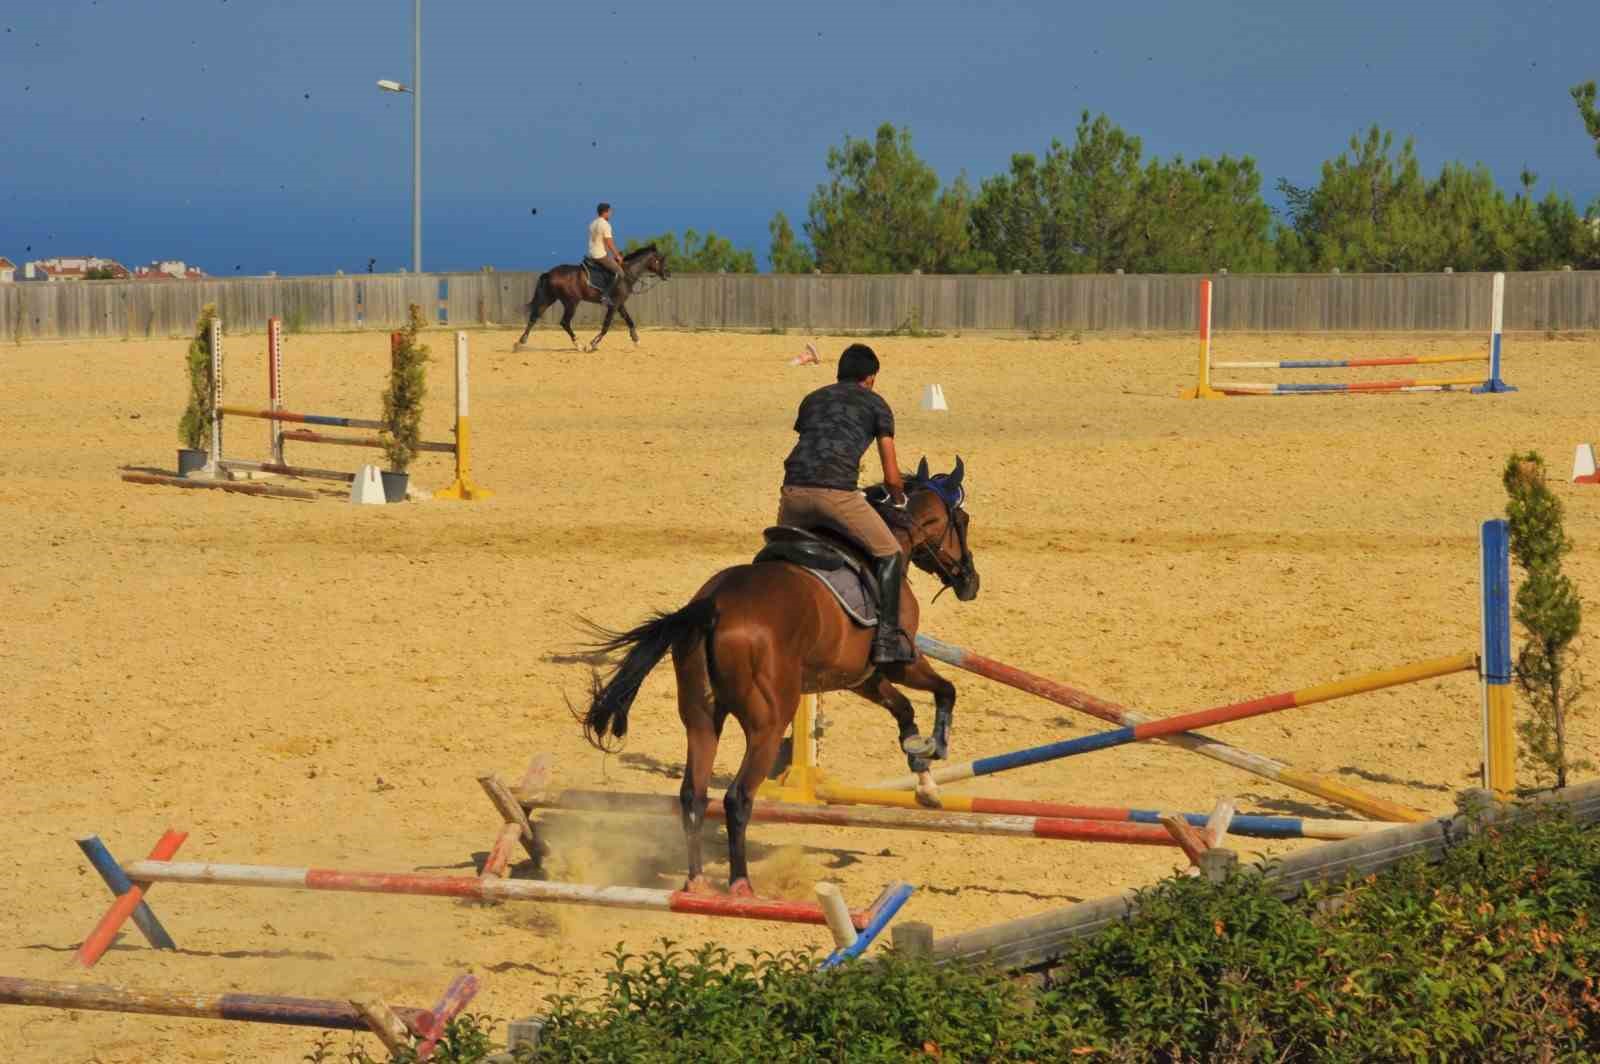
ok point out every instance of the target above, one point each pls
(930, 748)
(698, 885)
(927, 792)
(741, 888)
(516, 347)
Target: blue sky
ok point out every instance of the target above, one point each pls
(248, 135)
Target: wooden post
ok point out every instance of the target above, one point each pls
(382, 1021)
(1217, 864)
(912, 938)
(1191, 841)
(511, 811)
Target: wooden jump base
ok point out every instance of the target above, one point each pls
(428, 1025)
(1205, 388)
(218, 465)
(129, 882)
(242, 487)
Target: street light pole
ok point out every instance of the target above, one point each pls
(415, 89)
(416, 138)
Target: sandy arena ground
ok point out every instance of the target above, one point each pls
(319, 684)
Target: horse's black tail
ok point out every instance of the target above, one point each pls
(610, 701)
(539, 294)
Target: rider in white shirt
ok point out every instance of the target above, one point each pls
(603, 250)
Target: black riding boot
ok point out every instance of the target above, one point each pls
(890, 644)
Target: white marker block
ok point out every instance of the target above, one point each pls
(933, 398)
(368, 487)
(1583, 464)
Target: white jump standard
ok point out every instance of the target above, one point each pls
(218, 465)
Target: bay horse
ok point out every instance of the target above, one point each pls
(570, 285)
(755, 637)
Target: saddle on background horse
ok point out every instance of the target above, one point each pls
(597, 275)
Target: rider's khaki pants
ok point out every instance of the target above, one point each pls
(846, 512)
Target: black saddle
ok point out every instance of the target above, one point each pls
(597, 275)
(817, 548)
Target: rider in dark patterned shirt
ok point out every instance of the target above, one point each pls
(837, 424)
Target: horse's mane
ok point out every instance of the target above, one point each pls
(648, 249)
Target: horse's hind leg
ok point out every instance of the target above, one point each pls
(769, 709)
(534, 310)
(702, 724)
(568, 310)
(605, 327)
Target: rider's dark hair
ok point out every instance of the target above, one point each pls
(602, 208)
(857, 363)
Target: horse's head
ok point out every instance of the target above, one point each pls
(939, 520)
(649, 259)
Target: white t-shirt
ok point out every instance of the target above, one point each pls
(599, 231)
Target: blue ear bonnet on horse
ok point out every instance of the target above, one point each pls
(948, 486)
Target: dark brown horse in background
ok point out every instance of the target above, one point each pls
(755, 637)
(570, 285)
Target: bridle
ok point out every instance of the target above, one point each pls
(927, 557)
(646, 278)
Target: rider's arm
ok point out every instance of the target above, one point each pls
(891, 469)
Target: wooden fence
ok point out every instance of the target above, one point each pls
(1562, 301)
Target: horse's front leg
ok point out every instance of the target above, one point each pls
(919, 676)
(605, 327)
(628, 321)
(877, 690)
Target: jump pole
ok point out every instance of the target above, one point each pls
(957, 814)
(909, 817)
(1051, 690)
(1205, 388)
(1204, 718)
(773, 910)
(427, 1024)
(159, 868)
